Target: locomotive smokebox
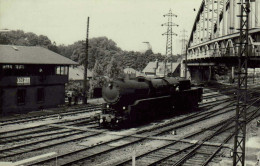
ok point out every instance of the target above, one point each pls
(110, 93)
(124, 92)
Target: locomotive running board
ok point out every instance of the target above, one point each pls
(149, 99)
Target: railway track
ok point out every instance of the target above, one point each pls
(39, 131)
(83, 154)
(199, 153)
(130, 139)
(70, 112)
(154, 133)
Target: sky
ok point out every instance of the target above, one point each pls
(127, 22)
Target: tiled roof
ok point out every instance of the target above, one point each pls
(31, 55)
(77, 73)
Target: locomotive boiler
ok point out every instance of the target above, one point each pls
(134, 100)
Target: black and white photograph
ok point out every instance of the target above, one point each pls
(129, 82)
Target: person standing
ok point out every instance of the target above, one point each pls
(76, 96)
(70, 98)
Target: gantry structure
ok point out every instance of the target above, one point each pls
(169, 33)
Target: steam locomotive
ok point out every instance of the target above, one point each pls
(134, 100)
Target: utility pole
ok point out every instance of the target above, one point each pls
(169, 34)
(241, 108)
(85, 96)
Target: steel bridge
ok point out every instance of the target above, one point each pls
(214, 39)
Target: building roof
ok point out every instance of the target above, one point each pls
(171, 67)
(10, 54)
(129, 70)
(77, 73)
(150, 67)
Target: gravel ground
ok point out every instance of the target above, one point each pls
(126, 152)
(152, 144)
(57, 148)
(12, 144)
(200, 125)
(252, 146)
(44, 112)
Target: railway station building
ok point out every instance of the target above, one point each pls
(31, 78)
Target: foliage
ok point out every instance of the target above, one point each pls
(104, 56)
(114, 68)
(21, 38)
(98, 79)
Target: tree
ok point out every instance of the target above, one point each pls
(4, 38)
(101, 49)
(53, 47)
(44, 41)
(32, 39)
(114, 69)
(98, 79)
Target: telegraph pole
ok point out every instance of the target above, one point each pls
(85, 96)
(241, 108)
(169, 34)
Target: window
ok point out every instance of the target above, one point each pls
(19, 67)
(61, 70)
(7, 66)
(57, 70)
(21, 94)
(64, 70)
(40, 94)
(7, 70)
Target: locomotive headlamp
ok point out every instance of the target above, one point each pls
(101, 120)
(107, 106)
(117, 121)
(108, 119)
(177, 88)
(123, 108)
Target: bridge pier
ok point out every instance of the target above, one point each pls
(232, 72)
(201, 73)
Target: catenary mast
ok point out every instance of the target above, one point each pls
(169, 35)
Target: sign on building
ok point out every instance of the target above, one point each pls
(23, 81)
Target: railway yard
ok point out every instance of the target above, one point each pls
(73, 136)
